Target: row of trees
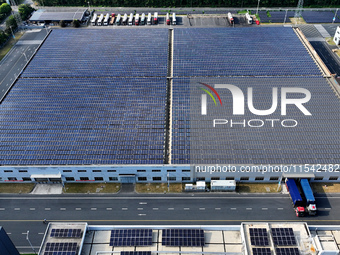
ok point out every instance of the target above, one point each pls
(190, 3)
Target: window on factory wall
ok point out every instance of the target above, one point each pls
(142, 178)
(215, 178)
(186, 170)
(244, 178)
(333, 178)
(114, 179)
(171, 178)
(157, 170)
(96, 171)
(320, 178)
(230, 178)
(81, 171)
(67, 171)
(141, 171)
(111, 171)
(12, 178)
(70, 179)
(156, 178)
(8, 171)
(274, 178)
(26, 179)
(84, 178)
(98, 178)
(185, 178)
(261, 178)
(171, 170)
(22, 171)
(200, 179)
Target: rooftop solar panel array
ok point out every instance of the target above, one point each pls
(135, 253)
(261, 251)
(258, 236)
(61, 248)
(98, 53)
(314, 140)
(265, 51)
(276, 16)
(283, 236)
(319, 17)
(71, 233)
(131, 237)
(183, 237)
(287, 251)
(83, 121)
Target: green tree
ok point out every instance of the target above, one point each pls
(5, 9)
(62, 23)
(3, 37)
(75, 23)
(10, 23)
(25, 11)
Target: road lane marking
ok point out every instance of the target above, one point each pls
(124, 209)
(280, 208)
(93, 209)
(155, 209)
(32, 209)
(233, 209)
(264, 209)
(140, 209)
(2, 209)
(186, 209)
(16, 209)
(62, 209)
(171, 209)
(41, 233)
(249, 209)
(142, 214)
(143, 203)
(47, 209)
(202, 209)
(78, 209)
(217, 208)
(108, 209)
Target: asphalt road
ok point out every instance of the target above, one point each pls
(13, 63)
(20, 213)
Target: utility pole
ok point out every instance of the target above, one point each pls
(298, 11)
(258, 5)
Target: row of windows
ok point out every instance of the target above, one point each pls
(171, 178)
(99, 171)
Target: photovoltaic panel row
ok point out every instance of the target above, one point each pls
(261, 251)
(283, 236)
(183, 237)
(66, 248)
(258, 236)
(247, 51)
(135, 253)
(98, 53)
(287, 251)
(313, 140)
(72, 233)
(83, 121)
(131, 237)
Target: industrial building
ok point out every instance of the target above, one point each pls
(249, 238)
(128, 108)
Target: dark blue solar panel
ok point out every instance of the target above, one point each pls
(319, 17)
(93, 53)
(183, 237)
(65, 248)
(131, 237)
(88, 121)
(244, 51)
(313, 141)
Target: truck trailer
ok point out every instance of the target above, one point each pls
(155, 18)
(230, 18)
(106, 19)
(130, 19)
(149, 21)
(310, 199)
(94, 19)
(137, 19)
(174, 19)
(142, 19)
(296, 197)
(118, 19)
(167, 19)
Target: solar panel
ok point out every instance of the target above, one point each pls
(135, 253)
(287, 251)
(71, 233)
(283, 236)
(261, 251)
(258, 236)
(131, 237)
(61, 248)
(183, 237)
